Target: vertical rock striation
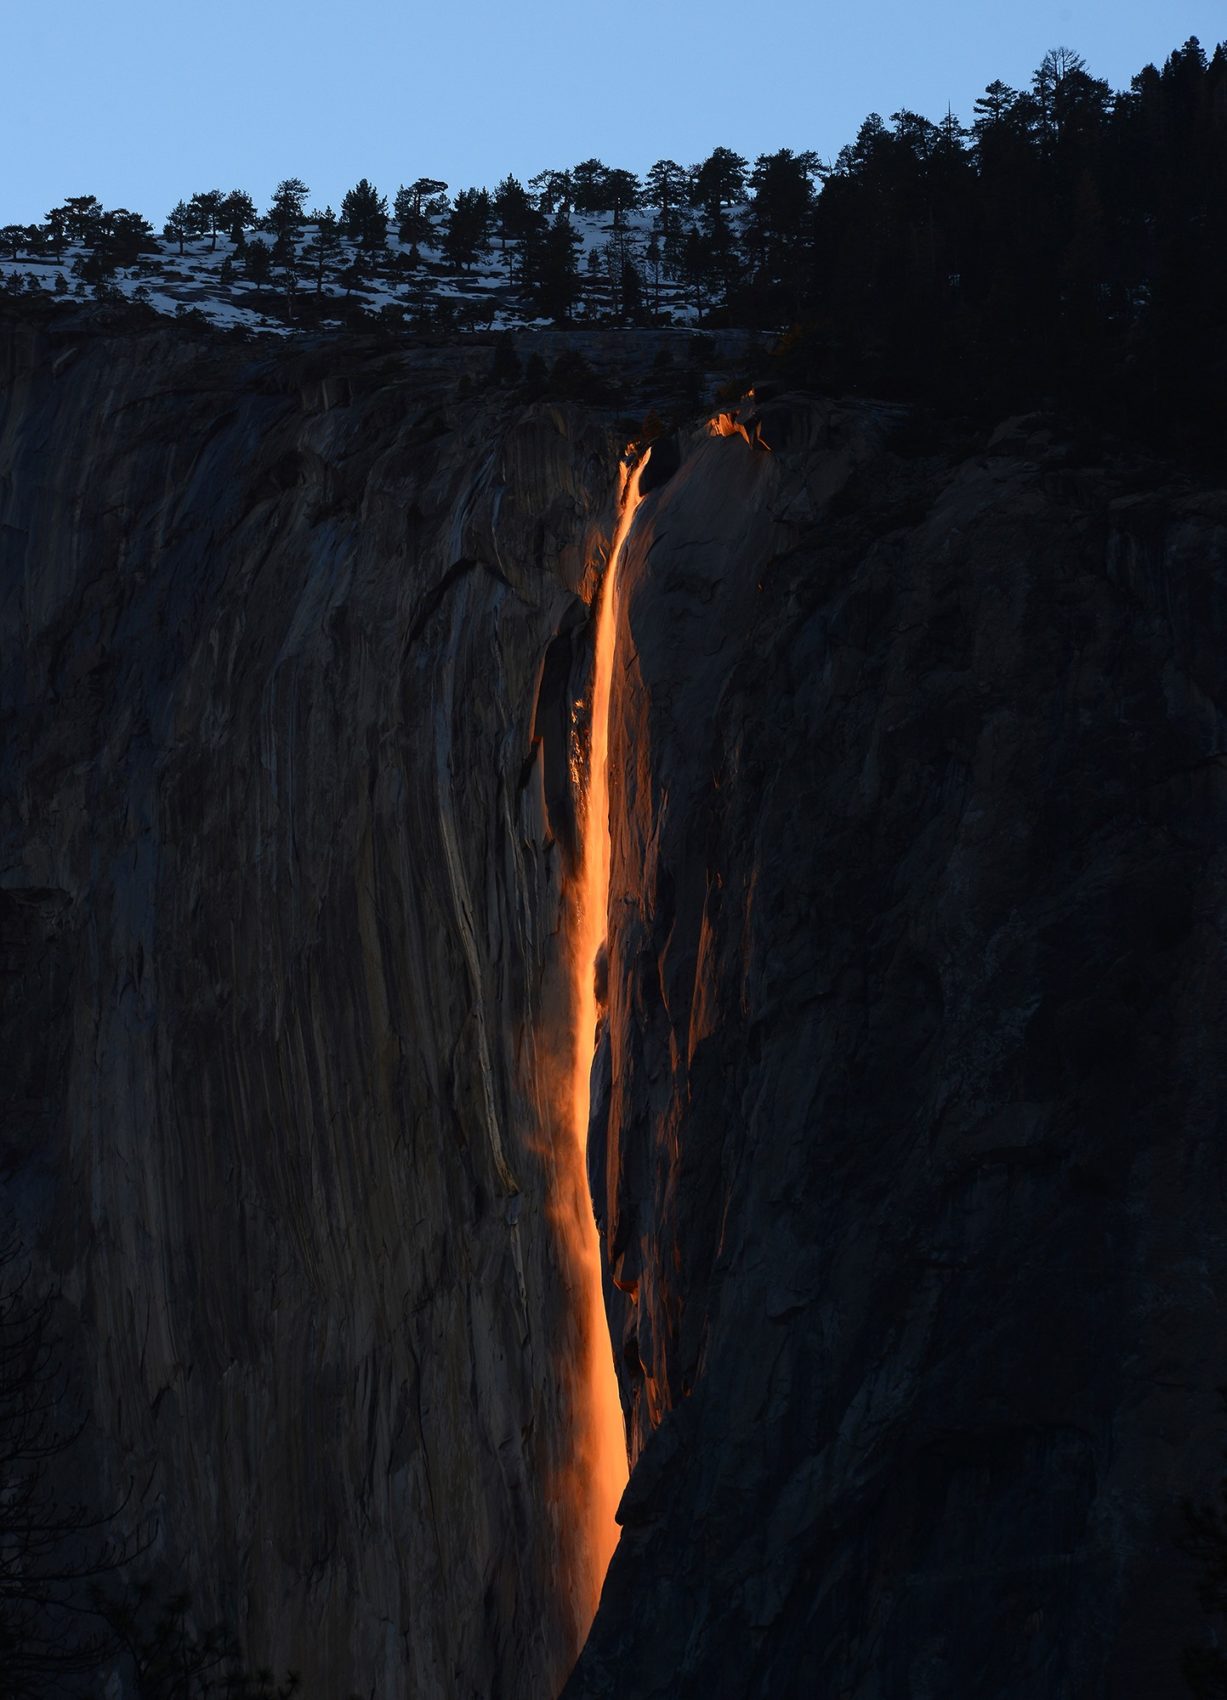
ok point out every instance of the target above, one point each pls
(907, 1107)
(279, 900)
(911, 1102)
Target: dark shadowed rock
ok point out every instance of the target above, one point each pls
(279, 906)
(907, 1110)
(914, 1137)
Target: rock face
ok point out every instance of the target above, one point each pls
(907, 1120)
(280, 903)
(913, 1151)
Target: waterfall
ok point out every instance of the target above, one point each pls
(601, 1467)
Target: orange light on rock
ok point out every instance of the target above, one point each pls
(602, 1447)
(730, 425)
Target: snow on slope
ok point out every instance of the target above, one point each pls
(198, 280)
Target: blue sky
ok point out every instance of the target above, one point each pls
(143, 101)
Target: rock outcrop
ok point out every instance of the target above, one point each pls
(280, 902)
(913, 1149)
(907, 1136)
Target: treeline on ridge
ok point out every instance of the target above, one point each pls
(1069, 243)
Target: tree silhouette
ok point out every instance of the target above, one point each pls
(623, 193)
(467, 227)
(1066, 249)
(325, 246)
(258, 262)
(412, 208)
(364, 215)
(180, 224)
(238, 212)
(552, 273)
(515, 220)
(81, 214)
(206, 207)
(666, 188)
(589, 186)
(720, 180)
(285, 215)
(553, 189)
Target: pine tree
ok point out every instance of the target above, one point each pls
(402, 213)
(589, 186)
(994, 106)
(552, 272)
(720, 180)
(1080, 108)
(356, 273)
(180, 224)
(778, 229)
(418, 297)
(859, 158)
(286, 255)
(653, 258)
(667, 185)
(123, 237)
(620, 257)
(325, 246)
(55, 231)
(694, 267)
(206, 207)
(467, 227)
(515, 219)
(81, 215)
(364, 215)
(1056, 65)
(238, 214)
(285, 215)
(412, 209)
(257, 262)
(623, 193)
(595, 289)
(553, 189)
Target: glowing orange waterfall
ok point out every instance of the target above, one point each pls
(603, 1447)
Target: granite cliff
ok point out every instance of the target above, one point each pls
(906, 1140)
(280, 906)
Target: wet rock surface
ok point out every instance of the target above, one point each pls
(907, 1131)
(279, 904)
(913, 1085)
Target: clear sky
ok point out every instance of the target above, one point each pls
(141, 102)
